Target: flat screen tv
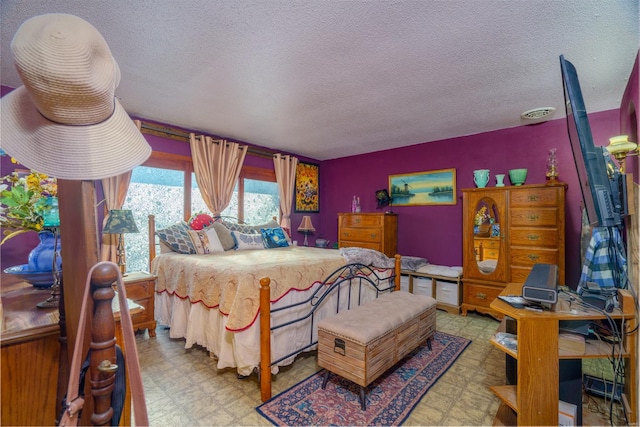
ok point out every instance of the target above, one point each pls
(599, 178)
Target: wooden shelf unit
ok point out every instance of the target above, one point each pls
(535, 396)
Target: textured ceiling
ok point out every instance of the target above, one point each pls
(329, 79)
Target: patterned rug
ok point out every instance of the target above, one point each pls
(390, 399)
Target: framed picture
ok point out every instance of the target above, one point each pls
(307, 186)
(436, 187)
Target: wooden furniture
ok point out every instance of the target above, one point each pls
(29, 358)
(535, 396)
(528, 227)
(356, 347)
(135, 310)
(141, 287)
(446, 290)
(377, 231)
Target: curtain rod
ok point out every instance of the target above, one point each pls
(180, 135)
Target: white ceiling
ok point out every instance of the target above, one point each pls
(328, 79)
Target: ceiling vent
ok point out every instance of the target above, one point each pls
(538, 115)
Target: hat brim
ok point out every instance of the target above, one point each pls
(85, 152)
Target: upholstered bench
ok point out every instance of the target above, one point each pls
(362, 343)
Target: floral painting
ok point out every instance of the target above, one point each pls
(307, 188)
(436, 187)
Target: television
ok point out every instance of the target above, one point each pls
(601, 182)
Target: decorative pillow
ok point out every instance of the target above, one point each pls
(177, 238)
(206, 241)
(270, 224)
(200, 220)
(274, 238)
(224, 235)
(247, 241)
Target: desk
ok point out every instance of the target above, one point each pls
(30, 352)
(535, 397)
(29, 357)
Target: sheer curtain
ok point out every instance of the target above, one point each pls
(285, 167)
(217, 164)
(115, 193)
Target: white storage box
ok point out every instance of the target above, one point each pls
(423, 286)
(447, 293)
(567, 414)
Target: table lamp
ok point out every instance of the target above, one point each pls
(120, 221)
(306, 227)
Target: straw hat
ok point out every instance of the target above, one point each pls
(65, 121)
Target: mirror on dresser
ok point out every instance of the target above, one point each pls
(486, 235)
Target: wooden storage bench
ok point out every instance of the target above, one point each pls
(362, 343)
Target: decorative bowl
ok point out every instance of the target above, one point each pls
(517, 176)
(39, 279)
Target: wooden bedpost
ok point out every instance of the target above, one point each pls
(152, 239)
(398, 269)
(103, 344)
(265, 339)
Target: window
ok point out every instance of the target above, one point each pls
(159, 188)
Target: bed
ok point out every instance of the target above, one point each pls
(213, 300)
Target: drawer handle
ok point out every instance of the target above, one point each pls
(339, 346)
(107, 367)
(358, 220)
(533, 217)
(481, 295)
(373, 235)
(533, 257)
(533, 198)
(533, 237)
(346, 234)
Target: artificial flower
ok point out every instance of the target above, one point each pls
(23, 202)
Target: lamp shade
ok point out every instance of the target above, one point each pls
(306, 224)
(120, 221)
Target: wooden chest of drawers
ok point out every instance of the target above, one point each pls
(141, 289)
(530, 222)
(377, 231)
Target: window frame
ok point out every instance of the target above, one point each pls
(184, 163)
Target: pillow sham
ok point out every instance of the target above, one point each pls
(270, 224)
(224, 235)
(274, 238)
(246, 241)
(177, 238)
(206, 241)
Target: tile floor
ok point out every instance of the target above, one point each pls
(184, 387)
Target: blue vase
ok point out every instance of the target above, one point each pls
(41, 257)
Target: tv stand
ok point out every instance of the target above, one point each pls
(535, 396)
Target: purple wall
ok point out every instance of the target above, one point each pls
(435, 232)
(629, 117)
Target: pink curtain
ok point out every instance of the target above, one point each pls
(285, 167)
(217, 164)
(115, 193)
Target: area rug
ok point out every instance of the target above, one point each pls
(390, 399)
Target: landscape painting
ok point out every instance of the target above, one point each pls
(436, 187)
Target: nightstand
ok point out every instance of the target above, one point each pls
(141, 289)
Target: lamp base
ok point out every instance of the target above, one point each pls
(306, 241)
(54, 300)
